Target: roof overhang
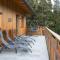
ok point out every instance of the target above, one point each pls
(24, 7)
(21, 6)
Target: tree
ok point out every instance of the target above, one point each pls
(42, 9)
(44, 14)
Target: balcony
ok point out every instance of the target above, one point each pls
(52, 41)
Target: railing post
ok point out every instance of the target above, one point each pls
(52, 43)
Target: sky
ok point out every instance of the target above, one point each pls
(52, 2)
(52, 5)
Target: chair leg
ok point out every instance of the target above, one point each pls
(1, 50)
(16, 50)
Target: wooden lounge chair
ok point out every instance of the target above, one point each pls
(26, 39)
(5, 44)
(20, 43)
(9, 39)
(10, 46)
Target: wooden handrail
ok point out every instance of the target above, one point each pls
(54, 34)
(53, 43)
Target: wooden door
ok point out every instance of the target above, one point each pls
(0, 25)
(18, 26)
(1, 20)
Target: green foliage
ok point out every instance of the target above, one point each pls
(44, 15)
(42, 9)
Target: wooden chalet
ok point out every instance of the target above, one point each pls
(13, 16)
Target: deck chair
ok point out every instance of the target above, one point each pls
(21, 36)
(5, 44)
(20, 43)
(26, 39)
(8, 46)
(25, 48)
(9, 39)
(15, 37)
(29, 39)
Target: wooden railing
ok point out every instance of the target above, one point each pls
(53, 43)
(38, 31)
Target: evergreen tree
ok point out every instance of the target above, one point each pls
(44, 14)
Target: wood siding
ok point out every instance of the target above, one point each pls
(8, 18)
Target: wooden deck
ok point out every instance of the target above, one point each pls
(53, 44)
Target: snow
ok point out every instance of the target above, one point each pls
(39, 51)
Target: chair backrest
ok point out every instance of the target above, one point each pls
(14, 34)
(11, 34)
(5, 35)
(8, 37)
(3, 41)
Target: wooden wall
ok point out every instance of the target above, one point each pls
(53, 45)
(8, 18)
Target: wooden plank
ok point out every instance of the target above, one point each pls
(0, 20)
(52, 46)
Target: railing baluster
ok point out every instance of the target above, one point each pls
(53, 45)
